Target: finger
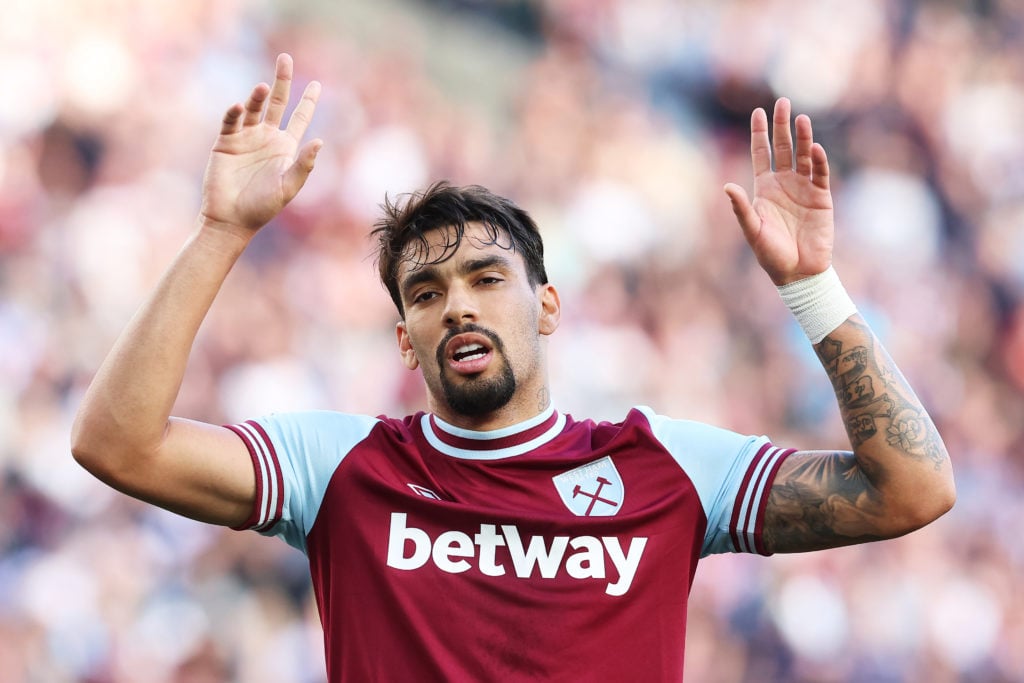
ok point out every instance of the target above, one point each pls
(296, 175)
(819, 166)
(760, 150)
(303, 114)
(747, 217)
(804, 143)
(232, 118)
(254, 105)
(783, 138)
(280, 91)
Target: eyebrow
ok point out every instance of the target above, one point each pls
(431, 272)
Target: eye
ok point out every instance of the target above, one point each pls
(424, 296)
(489, 280)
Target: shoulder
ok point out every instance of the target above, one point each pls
(687, 441)
(314, 430)
(675, 432)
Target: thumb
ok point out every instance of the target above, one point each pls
(296, 175)
(748, 219)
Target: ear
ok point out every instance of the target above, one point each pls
(408, 354)
(550, 309)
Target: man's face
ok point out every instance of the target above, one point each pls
(473, 324)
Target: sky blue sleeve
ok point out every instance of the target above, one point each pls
(294, 456)
(732, 474)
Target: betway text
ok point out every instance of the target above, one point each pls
(580, 557)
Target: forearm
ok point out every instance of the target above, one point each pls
(895, 444)
(127, 406)
(897, 477)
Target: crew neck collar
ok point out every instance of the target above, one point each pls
(493, 444)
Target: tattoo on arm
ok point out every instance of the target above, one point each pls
(819, 500)
(823, 500)
(873, 401)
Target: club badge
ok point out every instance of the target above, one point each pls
(591, 490)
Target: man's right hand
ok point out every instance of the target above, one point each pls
(256, 167)
(123, 432)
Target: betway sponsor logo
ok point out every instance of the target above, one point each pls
(580, 557)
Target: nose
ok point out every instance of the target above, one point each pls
(460, 306)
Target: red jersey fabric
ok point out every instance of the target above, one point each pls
(557, 550)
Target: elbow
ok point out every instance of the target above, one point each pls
(88, 460)
(101, 460)
(113, 452)
(935, 509)
(944, 499)
(928, 504)
(97, 449)
(86, 447)
(942, 492)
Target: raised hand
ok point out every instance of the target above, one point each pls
(789, 225)
(256, 167)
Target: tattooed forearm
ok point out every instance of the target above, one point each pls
(820, 500)
(897, 478)
(874, 401)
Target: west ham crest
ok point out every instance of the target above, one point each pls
(591, 490)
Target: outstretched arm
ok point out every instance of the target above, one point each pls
(123, 432)
(898, 476)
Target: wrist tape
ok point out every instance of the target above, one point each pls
(819, 303)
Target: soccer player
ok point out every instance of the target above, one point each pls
(493, 537)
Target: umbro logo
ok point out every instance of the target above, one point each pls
(423, 491)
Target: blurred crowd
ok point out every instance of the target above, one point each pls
(615, 123)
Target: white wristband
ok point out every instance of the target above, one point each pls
(819, 303)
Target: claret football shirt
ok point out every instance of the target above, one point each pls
(555, 550)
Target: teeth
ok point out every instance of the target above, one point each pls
(469, 351)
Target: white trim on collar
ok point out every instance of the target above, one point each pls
(485, 453)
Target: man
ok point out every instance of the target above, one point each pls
(493, 537)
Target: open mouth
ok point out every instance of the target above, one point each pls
(468, 353)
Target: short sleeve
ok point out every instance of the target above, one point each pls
(294, 457)
(732, 473)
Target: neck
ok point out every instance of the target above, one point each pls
(516, 411)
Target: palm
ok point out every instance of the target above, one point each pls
(789, 225)
(795, 232)
(256, 167)
(244, 177)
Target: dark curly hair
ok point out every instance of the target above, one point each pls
(401, 232)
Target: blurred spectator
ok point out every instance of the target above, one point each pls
(616, 122)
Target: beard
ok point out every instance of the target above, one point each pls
(474, 396)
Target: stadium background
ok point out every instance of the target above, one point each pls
(615, 122)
